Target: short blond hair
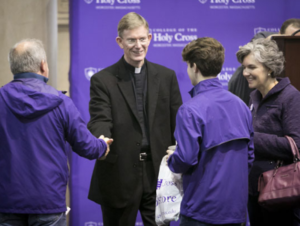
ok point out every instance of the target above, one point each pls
(130, 21)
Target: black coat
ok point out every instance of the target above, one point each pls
(113, 114)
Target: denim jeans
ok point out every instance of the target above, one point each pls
(11, 219)
(187, 221)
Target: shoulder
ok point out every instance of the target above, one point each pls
(187, 110)
(291, 90)
(290, 95)
(109, 72)
(288, 90)
(192, 106)
(159, 68)
(67, 101)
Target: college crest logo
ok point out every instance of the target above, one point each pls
(202, 1)
(88, 1)
(259, 29)
(89, 72)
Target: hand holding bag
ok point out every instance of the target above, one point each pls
(280, 188)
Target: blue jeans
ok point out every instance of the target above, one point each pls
(187, 221)
(11, 219)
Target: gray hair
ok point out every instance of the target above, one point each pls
(264, 51)
(26, 56)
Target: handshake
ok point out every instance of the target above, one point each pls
(108, 141)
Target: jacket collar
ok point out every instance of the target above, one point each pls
(131, 68)
(30, 75)
(205, 85)
(282, 83)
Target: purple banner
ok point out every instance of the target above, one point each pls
(173, 23)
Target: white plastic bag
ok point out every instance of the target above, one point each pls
(169, 193)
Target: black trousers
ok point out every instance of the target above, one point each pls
(260, 216)
(143, 200)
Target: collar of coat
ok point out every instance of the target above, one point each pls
(282, 83)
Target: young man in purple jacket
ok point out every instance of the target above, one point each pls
(214, 143)
(35, 124)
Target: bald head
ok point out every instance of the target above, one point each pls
(28, 55)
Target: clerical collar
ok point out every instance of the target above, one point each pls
(136, 70)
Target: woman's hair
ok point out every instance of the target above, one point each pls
(265, 52)
(206, 53)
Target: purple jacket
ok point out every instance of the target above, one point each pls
(275, 116)
(214, 152)
(36, 121)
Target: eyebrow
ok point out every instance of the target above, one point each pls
(249, 65)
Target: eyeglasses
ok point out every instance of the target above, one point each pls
(133, 41)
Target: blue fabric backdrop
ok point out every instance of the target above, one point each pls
(173, 23)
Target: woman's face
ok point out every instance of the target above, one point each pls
(255, 73)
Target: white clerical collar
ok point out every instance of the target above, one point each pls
(137, 70)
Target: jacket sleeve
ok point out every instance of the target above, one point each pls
(78, 136)
(176, 102)
(278, 148)
(187, 133)
(100, 108)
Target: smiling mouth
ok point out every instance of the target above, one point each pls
(138, 52)
(250, 79)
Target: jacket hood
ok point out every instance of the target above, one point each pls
(30, 98)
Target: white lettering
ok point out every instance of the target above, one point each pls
(219, 1)
(158, 37)
(185, 38)
(129, 1)
(224, 76)
(243, 1)
(111, 2)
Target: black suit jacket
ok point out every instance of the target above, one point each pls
(113, 114)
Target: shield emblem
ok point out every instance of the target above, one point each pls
(89, 72)
(88, 1)
(202, 1)
(259, 29)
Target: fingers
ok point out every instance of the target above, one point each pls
(170, 152)
(108, 141)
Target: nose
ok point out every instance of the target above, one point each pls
(138, 43)
(245, 72)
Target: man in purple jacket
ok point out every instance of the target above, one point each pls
(214, 143)
(35, 124)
